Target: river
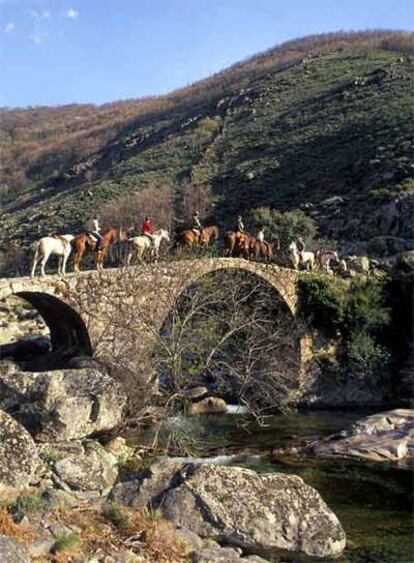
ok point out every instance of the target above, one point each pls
(373, 501)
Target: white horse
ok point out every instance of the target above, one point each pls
(142, 244)
(59, 245)
(294, 254)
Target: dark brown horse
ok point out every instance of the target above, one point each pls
(84, 243)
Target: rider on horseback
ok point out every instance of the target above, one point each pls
(240, 225)
(95, 232)
(197, 227)
(260, 234)
(146, 229)
(261, 237)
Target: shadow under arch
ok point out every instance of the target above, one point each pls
(67, 329)
(283, 356)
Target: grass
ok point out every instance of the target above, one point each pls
(16, 531)
(26, 504)
(109, 528)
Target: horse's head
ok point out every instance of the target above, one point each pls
(165, 235)
(293, 247)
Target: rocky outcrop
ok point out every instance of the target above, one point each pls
(62, 404)
(18, 454)
(82, 467)
(12, 552)
(387, 436)
(263, 514)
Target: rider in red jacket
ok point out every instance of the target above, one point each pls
(146, 228)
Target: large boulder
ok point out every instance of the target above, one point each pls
(273, 514)
(12, 552)
(386, 436)
(83, 467)
(18, 454)
(63, 404)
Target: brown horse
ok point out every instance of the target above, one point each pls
(190, 239)
(83, 243)
(237, 244)
(209, 234)
(260, 250)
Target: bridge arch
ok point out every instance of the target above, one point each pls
(281, 279)
(67, 329)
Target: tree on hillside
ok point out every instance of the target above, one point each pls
(196, 197)
(285, 227)
(129, 211)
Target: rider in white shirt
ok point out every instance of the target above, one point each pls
(95, 232)
(260, 234)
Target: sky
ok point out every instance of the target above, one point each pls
(55, 52)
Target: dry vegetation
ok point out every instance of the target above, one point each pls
(41, 142)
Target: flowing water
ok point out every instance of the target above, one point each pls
(373, 501)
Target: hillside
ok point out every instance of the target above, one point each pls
(291, 128)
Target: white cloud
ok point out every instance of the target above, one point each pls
(72, 13)
(9, 27)
(38, 37)
(43, 15)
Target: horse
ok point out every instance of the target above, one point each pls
(208, 234)
(190, 239)
(294, 254)
(237, 243)
(307, 259)
(84, 242)
(143, 243)
(323, 260)
(260, 249)
(43, 248)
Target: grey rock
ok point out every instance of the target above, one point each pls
(334, 200)
(63, 404)
(41, 546)
(12, 552)
(218, 555)
(86, 466)
(386, 436)
(18, 453)
(264, 514)
(190, 539)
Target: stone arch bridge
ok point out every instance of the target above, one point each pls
(119, 312)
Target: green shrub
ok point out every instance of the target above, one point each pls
(285, 226)
(323, 302)
(366, 358)
(365, 310)
(117, 515)
(25, 505)
(67, 542)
